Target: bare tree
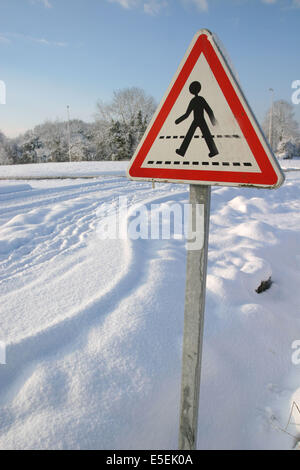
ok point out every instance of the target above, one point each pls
(125, 106)
(284, 125)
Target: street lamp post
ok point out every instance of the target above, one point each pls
(69, 134)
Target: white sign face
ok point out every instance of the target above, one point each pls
(223, 134)
(203, 130)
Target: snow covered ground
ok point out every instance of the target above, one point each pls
(77, 169)
(293, 163)
(93, 327)
(63, 169)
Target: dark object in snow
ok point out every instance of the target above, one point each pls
(264, 285)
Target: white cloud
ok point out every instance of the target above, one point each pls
(153, 7)
(292, 3)
(7, 37)
(48, 43)
(126, 3)
(46, 3)
(200, 4)
(4, 39)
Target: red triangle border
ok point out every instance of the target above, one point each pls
(267, 177)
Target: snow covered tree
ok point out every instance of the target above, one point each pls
(141, 125)
(122, 123)
(115, 134)
(4, 160)
(287, 149)
(125, 106)
(78, 149)
(13, 152)
(118, 142)
(81, 141)
(28, 148)
(284, 125)
(100, 139)
(49, 142)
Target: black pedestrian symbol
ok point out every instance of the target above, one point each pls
(198, 105)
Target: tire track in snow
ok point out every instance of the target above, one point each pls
(55, 234)
(53, 195)
(57, 337)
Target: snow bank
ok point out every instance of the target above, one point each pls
(63, 169)
(94, 327)
(77, 169)
(288, 164)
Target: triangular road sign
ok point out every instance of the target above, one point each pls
(204, 131)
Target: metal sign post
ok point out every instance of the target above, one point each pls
(194, 322)
(203, 133)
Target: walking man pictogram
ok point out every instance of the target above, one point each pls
(198, 105)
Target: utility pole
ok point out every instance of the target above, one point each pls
(271, 119)
(69, 134)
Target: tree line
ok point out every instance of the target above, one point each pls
(114, 135)
(117, 129)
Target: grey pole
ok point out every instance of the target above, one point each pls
(194, 322)
(69, 133)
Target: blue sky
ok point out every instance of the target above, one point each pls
(56, 53)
